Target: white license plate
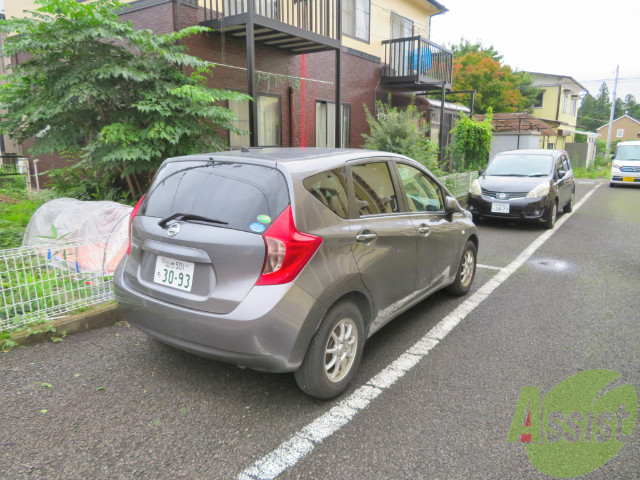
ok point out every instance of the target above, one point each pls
(500, 207)
(174, 273)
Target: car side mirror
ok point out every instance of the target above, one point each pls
(613, 157)
(481, 172)
(451, 205)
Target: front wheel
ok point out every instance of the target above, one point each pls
(334, 353)
(551, 218)
(466, 271)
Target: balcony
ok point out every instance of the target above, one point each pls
(415, 63)
(295, 26)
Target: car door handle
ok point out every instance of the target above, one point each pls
(424, 230)
(366, 236)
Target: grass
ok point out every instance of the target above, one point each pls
(16, 210)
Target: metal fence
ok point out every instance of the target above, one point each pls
(459, 183)
(50, 280)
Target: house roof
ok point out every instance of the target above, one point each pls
(441, 8)
(619, 118)
(562, 79)
(519, 123)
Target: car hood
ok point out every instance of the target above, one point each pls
(510, 184)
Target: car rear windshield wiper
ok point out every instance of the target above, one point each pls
(190, 216)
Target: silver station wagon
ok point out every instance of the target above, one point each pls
(286, 260)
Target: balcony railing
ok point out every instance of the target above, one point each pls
(416, 62)
(315, 16)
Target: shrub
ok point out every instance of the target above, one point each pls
(400, 131)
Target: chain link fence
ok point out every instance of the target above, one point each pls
(50, 280)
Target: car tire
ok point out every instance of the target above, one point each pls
(334, 353)
(476, 218)
(466, 271)
(612, 185)
(568, 208)
(551, 218)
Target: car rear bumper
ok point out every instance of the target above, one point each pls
(519, 209)
(270, 330)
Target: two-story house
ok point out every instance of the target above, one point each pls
(557, 105)
(300, 59)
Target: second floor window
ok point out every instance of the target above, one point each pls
(574, 105)
(356, 19)
(565, 103)
(539, 100)
(401, 27)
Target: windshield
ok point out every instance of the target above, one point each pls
(514, 165)
(628, 152)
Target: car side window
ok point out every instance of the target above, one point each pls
(423, 193)
(330, 188)
(373, 189)
(559, 167)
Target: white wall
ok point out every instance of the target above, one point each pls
(501, 142)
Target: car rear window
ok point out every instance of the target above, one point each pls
(247, 197)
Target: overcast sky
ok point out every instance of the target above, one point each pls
(583, 39)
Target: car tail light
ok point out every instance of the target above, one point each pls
(134, 212)
(287, 250)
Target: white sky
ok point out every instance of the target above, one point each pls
(583, 39)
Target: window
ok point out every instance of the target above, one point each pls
(620, 133)
(565, 103)
(401, 27)
(574, 105)
(268, 122)
(539, 98)
(326, 124)
(374, 189)
(355, 19)
(423, 193)
(331, 189)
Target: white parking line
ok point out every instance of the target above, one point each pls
(478, 265)
(302, 442)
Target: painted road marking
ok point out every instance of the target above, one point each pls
(478, 265)
(302, 442)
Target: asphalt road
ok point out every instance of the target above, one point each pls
(114, 404)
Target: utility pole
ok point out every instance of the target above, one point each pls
(613, 109)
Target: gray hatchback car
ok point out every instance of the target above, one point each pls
(286, 260)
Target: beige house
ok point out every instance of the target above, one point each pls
(624, 128)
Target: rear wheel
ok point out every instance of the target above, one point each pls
(334, 353)
(612, 185)
(568, 208)
(466, 271)
(551, 218)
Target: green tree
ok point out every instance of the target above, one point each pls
(91, 87)
(473, 142)
(400, 131)
(497, 85)
(632, 107)
(595, 111)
